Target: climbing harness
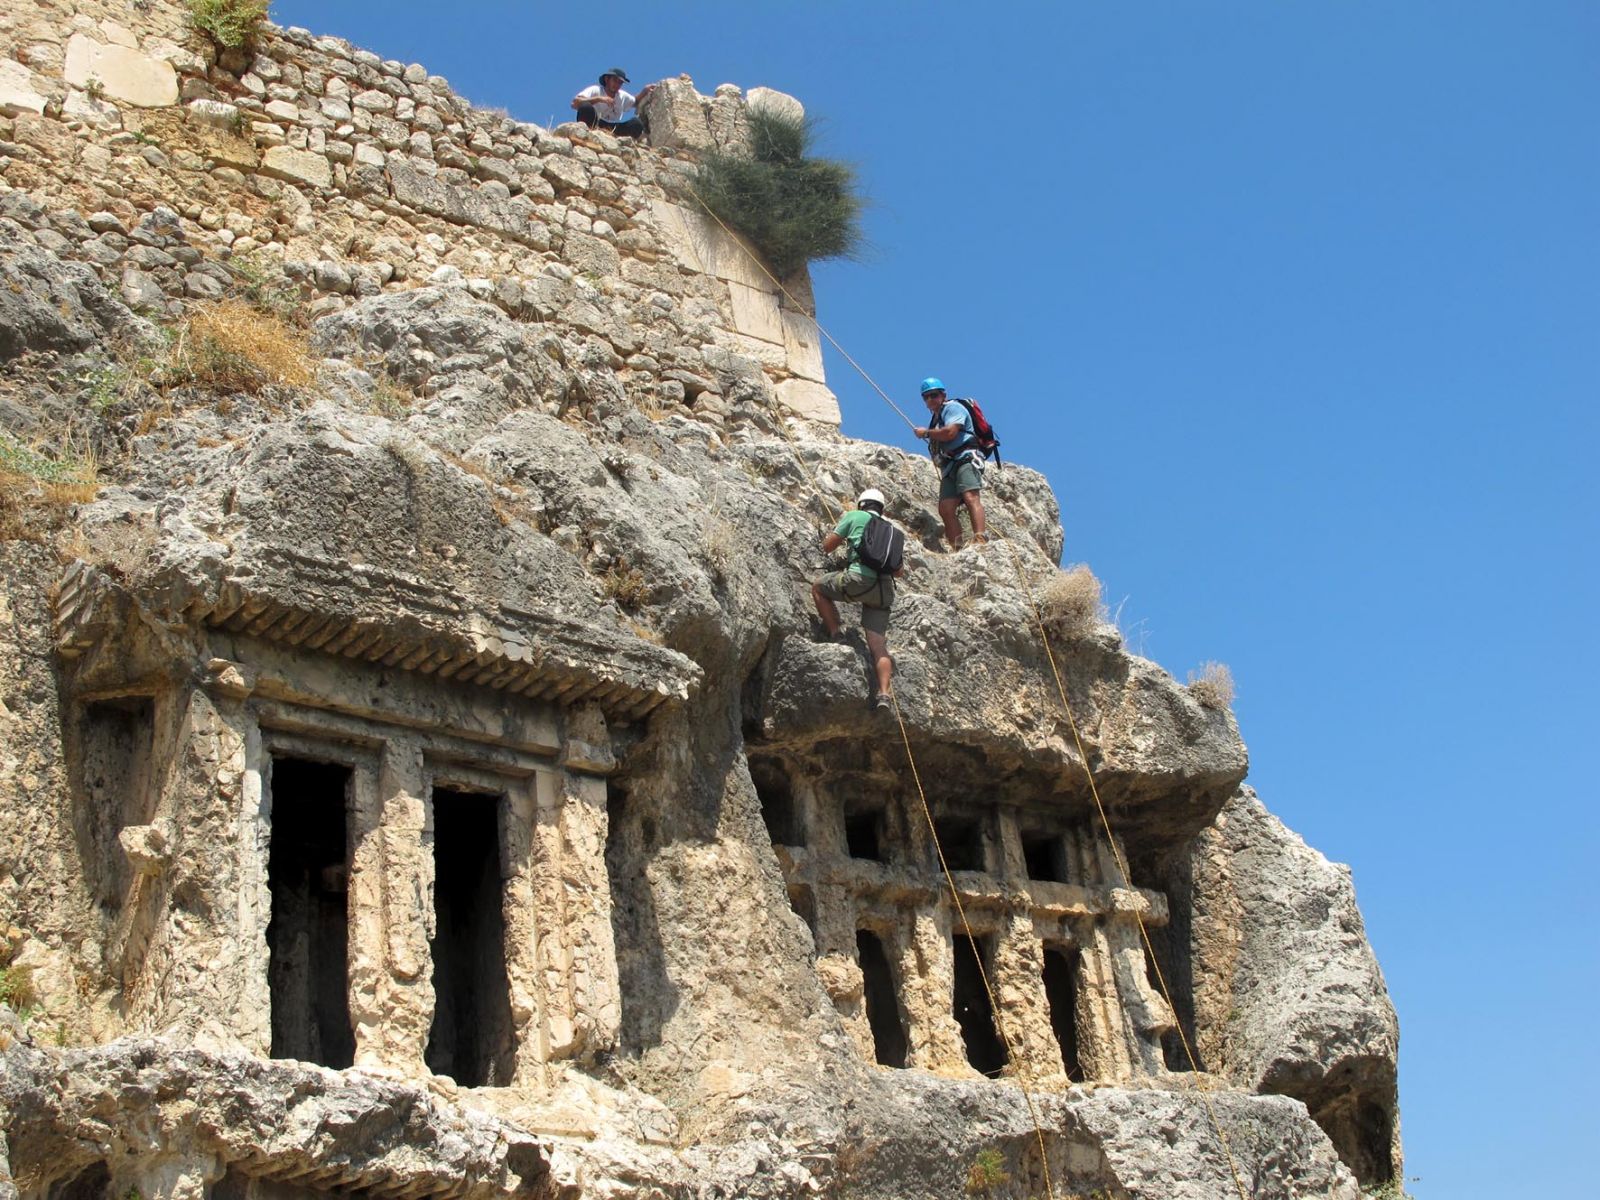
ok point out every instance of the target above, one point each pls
(1094, 791)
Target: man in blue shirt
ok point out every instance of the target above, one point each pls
(955, 452)
(859, 584)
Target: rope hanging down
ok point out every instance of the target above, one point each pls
(1094, 791)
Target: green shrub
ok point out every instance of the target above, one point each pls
(231, 24)
(16, 988)
(795, 209)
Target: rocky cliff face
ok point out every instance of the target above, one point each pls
(422, 776)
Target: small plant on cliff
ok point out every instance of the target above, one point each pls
(624, 584)
(987, 1172)
(16, 983)
(1070, 604)
(794, 208)
(234, 346)
(34, 483)
(231, 24)
(1212, 685)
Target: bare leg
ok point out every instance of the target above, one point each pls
(952, 523)
(974, 503)
(878, 647)
(827, 610)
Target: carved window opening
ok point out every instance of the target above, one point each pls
(961, 839)
(472, 1039)
(308, 935)
(1046, 857)
(883, 1003)
(116, 738)
(1061, 992)
(973, 1012)
(778, 810)
(863, 833)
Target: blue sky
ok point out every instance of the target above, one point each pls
(1297, 305)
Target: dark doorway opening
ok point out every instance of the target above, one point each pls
(308, 935)
(472, 1039)
(1046, 857)
(863, 833)
(777, 803)
(1061, 992)
(883, 1004)
(973, 1012)
(961, 839)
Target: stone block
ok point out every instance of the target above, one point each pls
(803, 347)
(811, 401)
(756, 314)
(123, 73)
(698, 243)
(297, 166)
(677, 116)
(17, 93)
(776, 101)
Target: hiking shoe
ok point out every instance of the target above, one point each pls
(881, 702)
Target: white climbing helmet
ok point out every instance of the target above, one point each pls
(871, 496)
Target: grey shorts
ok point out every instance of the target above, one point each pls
(957, 481)
(876, 598)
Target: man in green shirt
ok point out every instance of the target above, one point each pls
(859, 584)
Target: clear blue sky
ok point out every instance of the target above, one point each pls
(1298, 305)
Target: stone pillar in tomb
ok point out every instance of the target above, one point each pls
(524, 803)
(1019, 966)
(1145, 1016)
(391, 918)
(1019, 987)
(1103, 1035)
(835, 933)
(930, 986)
(199, 968)
(576, 952)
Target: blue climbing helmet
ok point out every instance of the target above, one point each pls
(932, 384)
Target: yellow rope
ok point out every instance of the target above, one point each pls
(1122, 868)
(994, 1002)
(1094, 791)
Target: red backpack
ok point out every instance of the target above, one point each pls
(982, 432)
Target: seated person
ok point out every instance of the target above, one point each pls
(603, 104)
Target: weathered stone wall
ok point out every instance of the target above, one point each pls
(174, 171)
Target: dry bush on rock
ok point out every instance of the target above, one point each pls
(1212, 685)
(1071, 604)
(234, 346)
(36, 488)
(624, 584)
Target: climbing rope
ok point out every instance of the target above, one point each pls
(1094, 791)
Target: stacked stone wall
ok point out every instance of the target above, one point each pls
(180, 173)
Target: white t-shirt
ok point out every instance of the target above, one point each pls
(608, 108)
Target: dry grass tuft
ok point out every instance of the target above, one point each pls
(626, 585)
(233, 345)
(1071, 603)
(1212, 685)
(36, 488)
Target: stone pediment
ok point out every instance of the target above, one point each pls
(389, 619)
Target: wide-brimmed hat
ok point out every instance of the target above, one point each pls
(618, 72)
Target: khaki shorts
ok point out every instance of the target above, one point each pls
(875, 598)
(955, 483)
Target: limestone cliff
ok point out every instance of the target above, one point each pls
(419, 772)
